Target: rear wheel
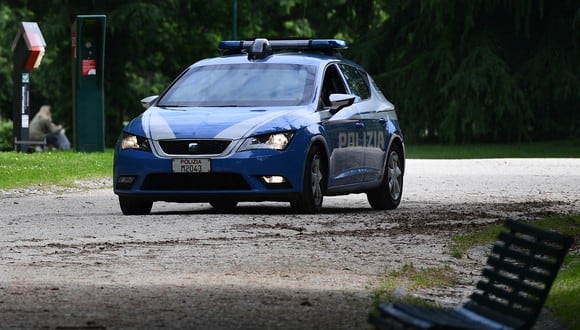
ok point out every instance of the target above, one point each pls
(224, 205)
(135, 206)
(313, 185)
(388, 195)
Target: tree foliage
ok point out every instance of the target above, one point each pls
(458, 71)
(482, 70)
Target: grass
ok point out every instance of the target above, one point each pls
(550, 149)
(399, 285)
(52, 168)
(563, 297)
(462, 243)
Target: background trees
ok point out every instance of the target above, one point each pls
(459, 71)
(484, 70)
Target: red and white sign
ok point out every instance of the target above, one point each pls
(89, 67)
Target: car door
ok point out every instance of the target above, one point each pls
(344, 133)
(371, 121)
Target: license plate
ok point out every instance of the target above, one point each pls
(191, 165)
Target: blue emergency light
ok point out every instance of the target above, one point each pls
(261, 48)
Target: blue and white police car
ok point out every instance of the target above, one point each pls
(270, 120)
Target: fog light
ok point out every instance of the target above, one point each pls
(125, 182)
(126, 179)
(274, 179)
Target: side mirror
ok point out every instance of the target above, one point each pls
(339, 101)
(146, 102)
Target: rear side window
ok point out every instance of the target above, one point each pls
(356, 81)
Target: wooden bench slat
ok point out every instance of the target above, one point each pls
(528, 273)
(529, 260)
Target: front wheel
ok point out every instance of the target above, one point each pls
(135, 206)
(313, 185)
(388, 195)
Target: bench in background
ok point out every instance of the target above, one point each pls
(41, 144)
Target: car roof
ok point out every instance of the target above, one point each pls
(283, 58)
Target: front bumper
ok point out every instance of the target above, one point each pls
(238, 176)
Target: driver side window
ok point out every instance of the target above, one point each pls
(332, 84)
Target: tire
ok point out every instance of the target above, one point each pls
(224, 205)
(135, 206)
(313, 184)
(388, 195)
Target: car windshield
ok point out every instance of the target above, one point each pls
(251, 84)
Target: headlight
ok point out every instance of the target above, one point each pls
(276, 141)
(130, 141)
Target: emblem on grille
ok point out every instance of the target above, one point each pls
(193, 147)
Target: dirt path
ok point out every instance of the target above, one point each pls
(68, 258)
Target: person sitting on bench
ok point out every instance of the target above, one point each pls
(42, 127)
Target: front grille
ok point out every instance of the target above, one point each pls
(203, 147)
(195, 181)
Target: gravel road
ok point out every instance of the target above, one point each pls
(69, 259)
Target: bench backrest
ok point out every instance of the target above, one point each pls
(520, 271)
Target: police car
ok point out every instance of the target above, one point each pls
(270, 120)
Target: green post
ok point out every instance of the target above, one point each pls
(88, 51)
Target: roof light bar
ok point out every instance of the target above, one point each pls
(291, 44)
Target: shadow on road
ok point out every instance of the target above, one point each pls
(74, 306)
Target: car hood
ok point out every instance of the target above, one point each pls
(218, 123)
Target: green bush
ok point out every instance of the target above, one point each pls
(5, 135)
